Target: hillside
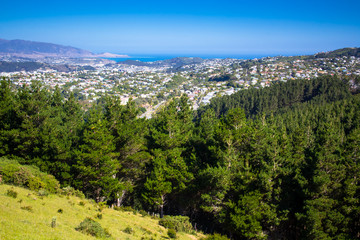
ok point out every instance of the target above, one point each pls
(32, 66)
(343, 52)
(29, 216)
(20, 66)
(282, 96)
(31, 49)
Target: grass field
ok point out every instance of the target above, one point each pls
(29, 216)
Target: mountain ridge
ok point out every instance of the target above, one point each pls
(36, 50)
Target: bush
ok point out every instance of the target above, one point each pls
(178, 223)
(215, 236)
(53, 222)
(35, 183)
(143, 213)
(147, 238)
(70, 191)
(11, 193)
(27, 176)
(27, 208)
(125, 209)
(128, 230)
(90, 227)
(171, 233)
(43, 193)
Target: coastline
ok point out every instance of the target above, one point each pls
(153, 58)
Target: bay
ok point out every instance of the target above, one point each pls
(153, 58)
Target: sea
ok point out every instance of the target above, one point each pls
(153, 58)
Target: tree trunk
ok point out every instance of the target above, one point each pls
(161, 210)
(120, 199)
(162, 205)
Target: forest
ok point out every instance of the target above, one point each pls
(280, 162)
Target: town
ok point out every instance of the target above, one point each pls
(150, 86)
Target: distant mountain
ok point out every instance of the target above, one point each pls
(30, 49)
(36, 50)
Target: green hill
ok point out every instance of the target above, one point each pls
(343, 52)
(30, 216)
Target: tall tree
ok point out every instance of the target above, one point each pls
(169, 134)
(96, 160)
(129, 133)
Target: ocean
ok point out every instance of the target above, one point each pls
(153, 58)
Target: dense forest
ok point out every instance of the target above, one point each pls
(275, 163)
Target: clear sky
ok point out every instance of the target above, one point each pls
(186, 27)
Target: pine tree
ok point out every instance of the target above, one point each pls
(96, 164)
(169, 134)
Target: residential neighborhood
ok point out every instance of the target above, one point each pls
(152, 85)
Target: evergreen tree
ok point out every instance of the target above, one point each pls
(96, 163)
(129, 133)
(171, 130)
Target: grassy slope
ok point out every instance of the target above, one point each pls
(17, 223)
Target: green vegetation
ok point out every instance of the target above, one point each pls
(262, 163)
(283, 96)
(37, 218)
(128, 230)
(11, 193)
(28, 176)
(178, 223)
(90, 227)
(171, 233)
(340, 53)
(215, 237)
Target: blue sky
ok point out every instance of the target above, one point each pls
(186, 27)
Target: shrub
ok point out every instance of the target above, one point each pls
(102, 206)
(70, 191)
(35, 183)
(27, 208)
(147, 238)
(127, 209)
(11, 193)
(27, 176)
(171, 233)
(215, 236)
(128, 230)
(143, 213)
(43, 193)
(178, 223)
(53, 222)
(90, 227)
